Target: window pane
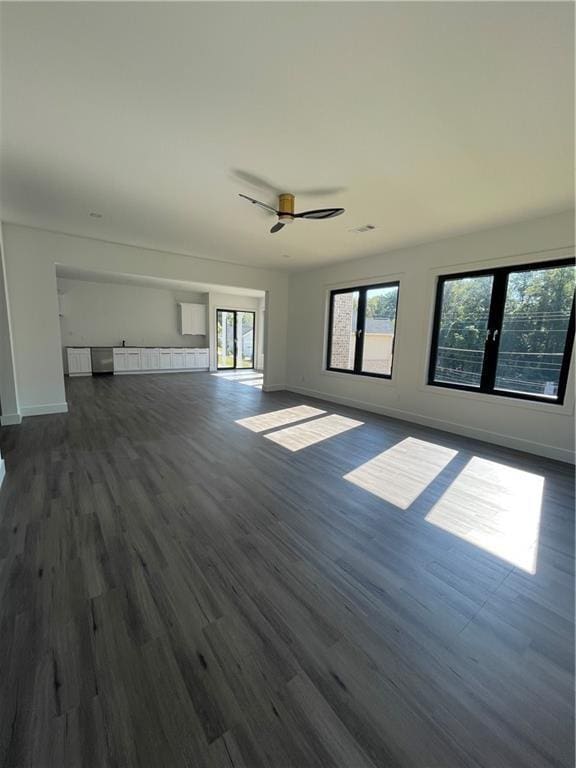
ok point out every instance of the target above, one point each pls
(245, 353)
(462, 332)
(225, 339)
(343, 331)
(379, 327)
(534, 329)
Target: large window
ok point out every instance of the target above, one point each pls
(506, 331)
(361, 330)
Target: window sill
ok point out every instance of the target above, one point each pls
(358, 377)
(481, 397)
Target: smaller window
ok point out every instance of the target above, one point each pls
(361, 330)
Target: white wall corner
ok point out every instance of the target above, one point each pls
(8, 419)
(43, 410)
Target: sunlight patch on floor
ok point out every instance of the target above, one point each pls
(303, 435)
(496, 508)
(250, 378)
(280, 418)
(401, 473)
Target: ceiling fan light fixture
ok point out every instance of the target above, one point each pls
(286, 214)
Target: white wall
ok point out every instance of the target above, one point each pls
(103, 314)
(8, 388)
(545, 429)
(31, 256)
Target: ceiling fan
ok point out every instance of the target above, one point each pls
(285, 211)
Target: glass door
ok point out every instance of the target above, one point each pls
(235, 338)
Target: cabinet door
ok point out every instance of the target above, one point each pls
(198, 320)
(73, 362)
(165, 359)
(177, 358)
(120, 361)
(193, 319)
(85, 359)
(203, 358)
(189, 359)
(154, 359)
(79, 361)
(134, 360)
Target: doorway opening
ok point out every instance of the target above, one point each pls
(235, 338)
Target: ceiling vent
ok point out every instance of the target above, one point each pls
(363, 228)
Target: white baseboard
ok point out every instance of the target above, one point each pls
(273, 387)
(161, 370)
(7, 419)
(507, 441)
(2, 471)
(43, 410)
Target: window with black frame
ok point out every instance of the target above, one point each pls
(506, 331)
(361, 329)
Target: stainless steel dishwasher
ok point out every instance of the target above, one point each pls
(102, 360)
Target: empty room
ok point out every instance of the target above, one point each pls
(287, 384)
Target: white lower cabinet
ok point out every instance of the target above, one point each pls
(149, 359)
(177, 358)
(130, 359)
(120, 360)
(133, 360)
(79, 361)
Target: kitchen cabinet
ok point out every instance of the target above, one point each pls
(126, 359)
(192, 319)
(149, 359)
(165, 359)
(133, 360)
(197, 359)
(79, 361)
(120, 360)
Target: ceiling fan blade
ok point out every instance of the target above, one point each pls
(264, 185)
(319, 191)
(277, 227)
(258, 202)
(320, 213)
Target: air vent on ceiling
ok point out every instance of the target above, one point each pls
(363, 228)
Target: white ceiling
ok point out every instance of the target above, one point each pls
(92, 276)
(435, 118)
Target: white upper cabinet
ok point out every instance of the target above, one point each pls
(192, 319)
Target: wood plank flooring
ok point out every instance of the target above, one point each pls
(195, 573)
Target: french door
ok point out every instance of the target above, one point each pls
(235, 338)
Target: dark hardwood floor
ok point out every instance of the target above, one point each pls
(299, 589)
